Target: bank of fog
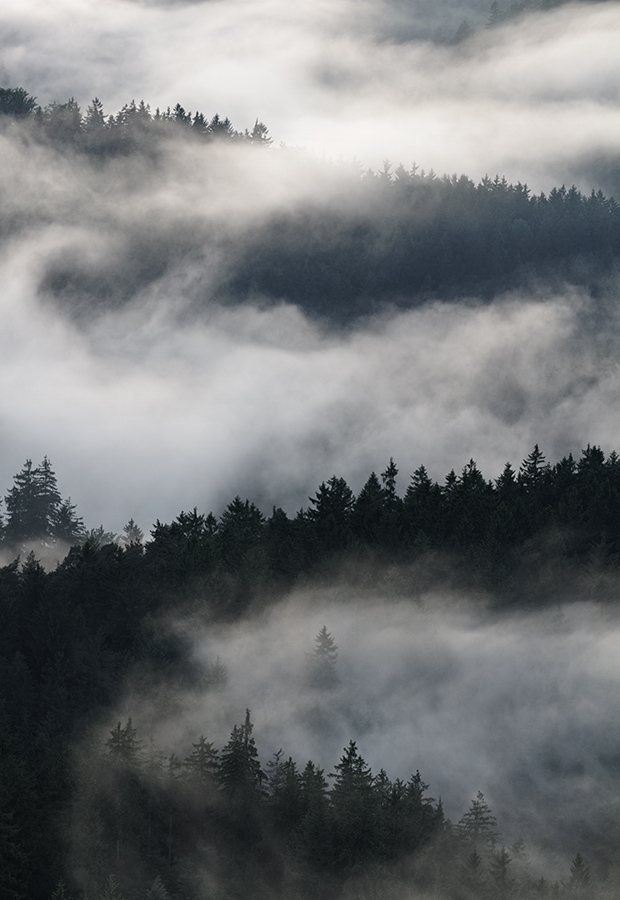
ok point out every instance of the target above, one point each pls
(521, 707)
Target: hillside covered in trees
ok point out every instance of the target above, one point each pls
(122, 817)
(321, 239)
(399, 237)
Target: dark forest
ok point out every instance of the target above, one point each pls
(147, 820)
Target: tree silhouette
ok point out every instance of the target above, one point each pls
(322, 663)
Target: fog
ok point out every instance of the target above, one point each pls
(152, 390)
(172, 411)
(534, 99)
(150, 397)
(519, 707)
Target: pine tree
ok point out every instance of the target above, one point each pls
(21, 507)
(501, 883)
(217, 675)
(122, 744)
(16, 102)
(367, 512)
(284, 788)
(35, 509)
(355, 808)
(69, 527)
(240, 530)
(389, 484)
(60, 892)
(578, 885)
(157, 891)
(494, 15)
(330, 514)
(478, 825)
(533, 470)
(240, 772)
(472, 881)
(132, 533)
(202, 764)
(392, 506)
(312, 839)
(322, 663)
(111, 890)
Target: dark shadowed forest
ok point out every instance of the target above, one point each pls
(107, 811)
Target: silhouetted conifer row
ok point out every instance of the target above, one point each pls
(70, 636)
(134, 127)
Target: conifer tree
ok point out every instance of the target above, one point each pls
(322, 663)
(240, 772)
(35, 509)
(132, 533)
(202, 764)
(355, 808)
(312, 839)
(367, 512)
(501, 882)
(330, 514)
(122, 744)
(477, 826)
(578, 885)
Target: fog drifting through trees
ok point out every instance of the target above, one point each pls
(179, 399)
(520, 707)
(191, 311)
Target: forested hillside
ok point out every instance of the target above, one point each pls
(96, 627)
(124, 816)
(399, 237)
(282, 287)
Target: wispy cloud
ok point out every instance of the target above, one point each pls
(527, 99)
(117, 360)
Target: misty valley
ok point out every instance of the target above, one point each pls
(386, 684)
(364, 241)
(466, 617)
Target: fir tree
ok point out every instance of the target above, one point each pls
(322, 663)
(202, 764)
(240, 772)
(478, 824)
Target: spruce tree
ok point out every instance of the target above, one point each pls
(477, 826)
(240, 773)
(202, 763)
(322, 663)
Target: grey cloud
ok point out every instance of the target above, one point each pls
(180, 416)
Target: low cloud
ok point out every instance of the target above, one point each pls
(519, 707)
(151, 396)
(535, 99)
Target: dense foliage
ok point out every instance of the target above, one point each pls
(70, 636)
